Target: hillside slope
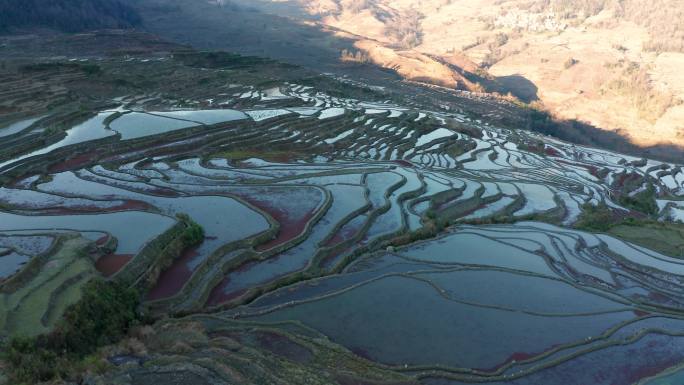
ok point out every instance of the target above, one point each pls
(578, 58)
(68, 16)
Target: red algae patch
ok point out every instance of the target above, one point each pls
(110, 264)
(347, 232)
(102, 240)
(403, 162)
(132, 205)
(223, 292)
(292, 212)
(171, 280)
(550, 151)
(129, 205)
(333, 257)
(284, 347)
(290, 226)
(76, 162)
(218, 297)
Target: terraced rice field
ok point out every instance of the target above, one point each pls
(313, 206)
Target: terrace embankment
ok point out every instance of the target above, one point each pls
(35, 298)
(37, 295)
(143, 270)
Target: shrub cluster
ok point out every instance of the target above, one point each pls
(595, 218)
(570, 63)
(194, 233)
(644, 201)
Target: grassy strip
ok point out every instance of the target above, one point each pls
(144, 270)
(21, 310)
(664, 237)
(268, 155)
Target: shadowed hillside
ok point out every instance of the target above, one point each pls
(68, 16)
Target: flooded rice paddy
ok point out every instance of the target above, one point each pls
(330, 214)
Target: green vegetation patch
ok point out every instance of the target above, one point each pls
(664, 237)
(36, 305)
(193, 233)
(644, 201)
(459, 148)
(104, 315)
